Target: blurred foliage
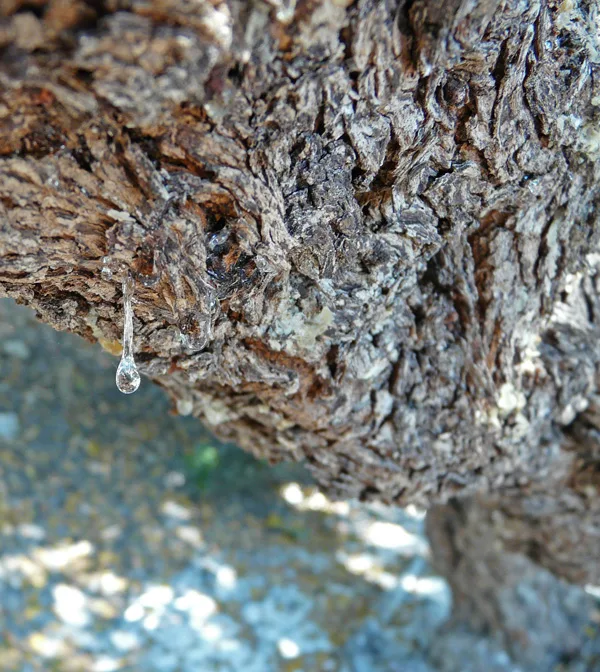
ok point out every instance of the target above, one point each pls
(201, 463)
(213, 466)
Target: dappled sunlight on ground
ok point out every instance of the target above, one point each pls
(594, 591)
(297, 585)
(79, 616)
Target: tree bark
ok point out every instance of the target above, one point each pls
(362, 234)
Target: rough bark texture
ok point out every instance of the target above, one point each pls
(362, 234)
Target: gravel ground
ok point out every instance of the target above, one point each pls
(121, 550)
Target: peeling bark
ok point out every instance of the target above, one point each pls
(352, 228)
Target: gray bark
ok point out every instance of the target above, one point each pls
(362, 235)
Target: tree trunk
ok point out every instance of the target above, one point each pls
(361, 234)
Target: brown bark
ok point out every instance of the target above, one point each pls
(354, 229)
(554, 517)
(487, 545)
(502, 592)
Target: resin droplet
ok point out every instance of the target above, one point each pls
(195, 332)
(128, 377)
(106, 271)
(150, 279)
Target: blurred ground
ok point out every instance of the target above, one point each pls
(127, 542)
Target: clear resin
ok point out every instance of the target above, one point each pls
(106, 271)
(195, 332)
(128, 377)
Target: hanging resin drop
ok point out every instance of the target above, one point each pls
(128, 377)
